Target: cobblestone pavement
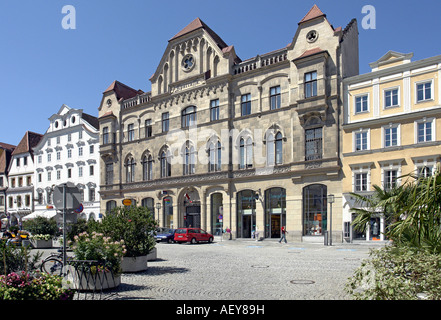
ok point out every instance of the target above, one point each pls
(245, 270)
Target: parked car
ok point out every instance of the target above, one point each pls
(192, 235)
(165, 235)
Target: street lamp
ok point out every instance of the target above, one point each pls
(331, 200)
(158, 206)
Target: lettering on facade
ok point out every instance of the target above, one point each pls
(187, 86)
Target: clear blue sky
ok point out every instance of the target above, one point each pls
(43, 66)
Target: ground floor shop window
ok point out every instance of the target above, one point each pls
(150, 204)
(275, 212)
(167, 206)
(216, 213)
(246, 213)
(372, 232)
(314, 210)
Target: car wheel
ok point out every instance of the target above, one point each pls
(210, 240)
(193, 241)
(169, 240)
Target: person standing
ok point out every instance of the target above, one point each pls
(283, 232)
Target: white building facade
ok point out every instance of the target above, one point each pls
(68, 152)
(20, 192)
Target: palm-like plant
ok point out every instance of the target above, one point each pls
(412, 212)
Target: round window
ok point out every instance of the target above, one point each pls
(312, 36)
(73, 120)
(188, 62)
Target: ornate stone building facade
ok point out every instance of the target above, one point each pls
(223, 143)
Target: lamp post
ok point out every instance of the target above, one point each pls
(331, 199)
(158, 206)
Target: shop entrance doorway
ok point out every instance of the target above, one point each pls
(193, 217)
(247, 225)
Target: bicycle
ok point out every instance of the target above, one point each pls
(53, 264)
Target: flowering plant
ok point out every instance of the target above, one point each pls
(40, 237)
(33, 286)
(95, 246)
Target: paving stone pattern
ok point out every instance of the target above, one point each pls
(245, 270)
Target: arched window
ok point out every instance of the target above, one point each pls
(189, 117)
(150, 204)
(314, 210)
(246, 153)
(165, 160)
(189, 160)
(275, 211)
(270, 150)
(130, 169)
(110, 205)
(279, 148)
(147, 168)
(274, 149)
(214, 156)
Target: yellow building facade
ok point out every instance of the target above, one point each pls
(391, 128)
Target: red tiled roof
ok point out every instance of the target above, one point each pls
(6, 146)
(29, 141)
(122, 90)
(107, 114)
(194, 25)
(198, 24)
(311, 52)
(315, 12)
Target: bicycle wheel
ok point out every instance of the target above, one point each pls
(52, 266)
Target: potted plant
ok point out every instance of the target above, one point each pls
(97, 261)
(43, 229)
(135, 226)
(41, 241)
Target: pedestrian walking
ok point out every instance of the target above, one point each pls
(283, 232)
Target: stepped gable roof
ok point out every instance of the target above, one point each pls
(122, 91)
(315, 12)
(27, 143)
(199, 24)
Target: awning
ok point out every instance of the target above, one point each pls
(45, 213)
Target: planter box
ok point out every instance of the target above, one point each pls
(134, 264)
(93, 282)
(153, 255)
(25, 243)
(41, 244)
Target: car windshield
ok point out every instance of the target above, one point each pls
(181, 231)
(164, 230)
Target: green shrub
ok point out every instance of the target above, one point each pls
(41, 225)
(134, 225)
(397, 273)
(17, 258)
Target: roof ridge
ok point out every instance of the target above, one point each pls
(313, 13)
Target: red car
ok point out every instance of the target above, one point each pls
(192, 235)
